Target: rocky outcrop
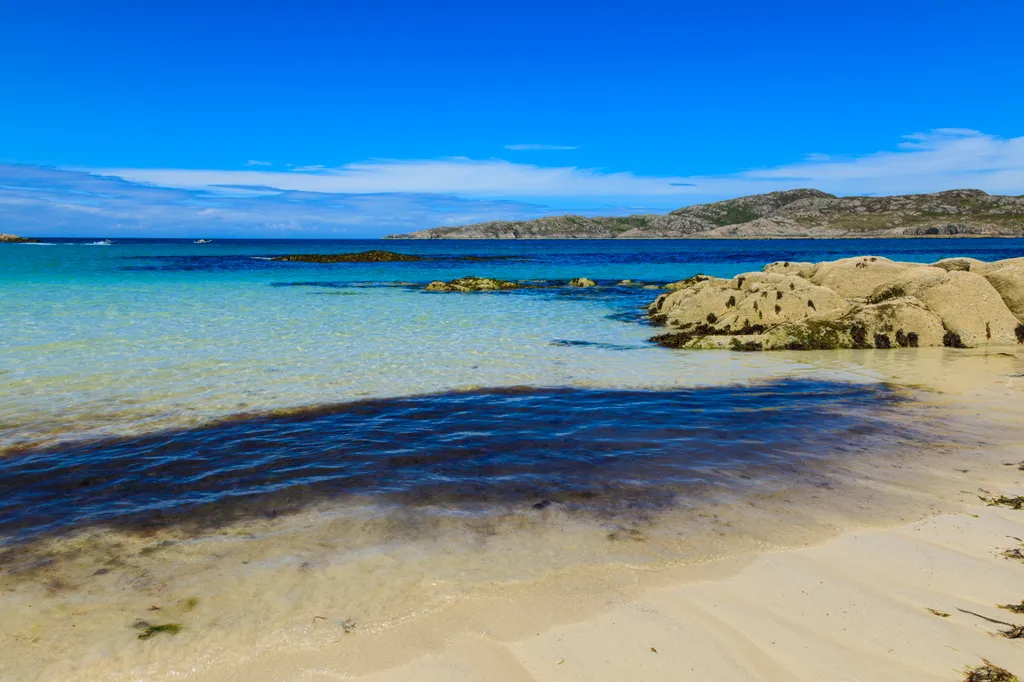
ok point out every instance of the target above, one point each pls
(582, 282)
(864, 302)
(15, 239)
(375, 256)
(1008, 280)
(793, 213)
(467, 284)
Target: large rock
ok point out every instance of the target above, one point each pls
(754, 299)
(799, 306)
(1008, 280)
(965, 264)
(800, 269)
(897, 323)
(971, 309)
(582, 282)
(691, 281)
(856, 277)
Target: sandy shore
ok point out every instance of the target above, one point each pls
(917, 600)
(831, 581)
(854, 608)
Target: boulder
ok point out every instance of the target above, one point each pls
(701, 303)
(856, 277)
(754, 300)
(971, 309)
(582, 282)
(1008, 281)
(902, 322)
(955, 302)
(790, 268)
(964, 264)
(690, 281)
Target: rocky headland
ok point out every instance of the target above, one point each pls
(807, 213)
(15, 239)
(863, 302)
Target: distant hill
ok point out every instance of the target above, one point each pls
(793, 213)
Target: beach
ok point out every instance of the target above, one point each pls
(825, 502)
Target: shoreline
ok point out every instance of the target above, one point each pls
(237, 631)
(703, 239)
(858, 606)
(846, 604)
(308, 586)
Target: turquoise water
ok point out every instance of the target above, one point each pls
(195, 434)
(150, 334)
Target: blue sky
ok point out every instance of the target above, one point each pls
(362, 119)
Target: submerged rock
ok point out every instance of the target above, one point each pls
(374, 256)
(582, 282)
(467, 284)
(865, 302)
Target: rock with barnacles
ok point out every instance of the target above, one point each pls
(864, 302)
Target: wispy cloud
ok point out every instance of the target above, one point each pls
(374, 197)
(50, 202)
(922, 162)
(539, 148)
(252, 162)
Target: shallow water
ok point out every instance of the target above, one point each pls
(144, 335)
(195, 434)
(483, 451)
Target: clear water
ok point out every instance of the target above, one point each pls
(480, 452)
(162, 403)
(149, 334)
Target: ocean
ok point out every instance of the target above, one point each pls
(192, 427)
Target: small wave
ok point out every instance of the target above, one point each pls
(261, 257)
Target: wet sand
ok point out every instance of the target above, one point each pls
(827, 578)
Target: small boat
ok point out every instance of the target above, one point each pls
(202, 241)
(102, 242)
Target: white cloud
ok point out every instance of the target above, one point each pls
(924, 162)
(40, 201)
(252, 162)
(539, 147)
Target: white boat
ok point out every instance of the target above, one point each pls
(202, 241)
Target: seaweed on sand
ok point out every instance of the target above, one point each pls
(1013, 608)
(149, 630)
(1015, 632)
(989, 673)
(936, 612)
(1016, 502)
(1014, 553)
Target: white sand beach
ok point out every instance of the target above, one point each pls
(900, 600)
